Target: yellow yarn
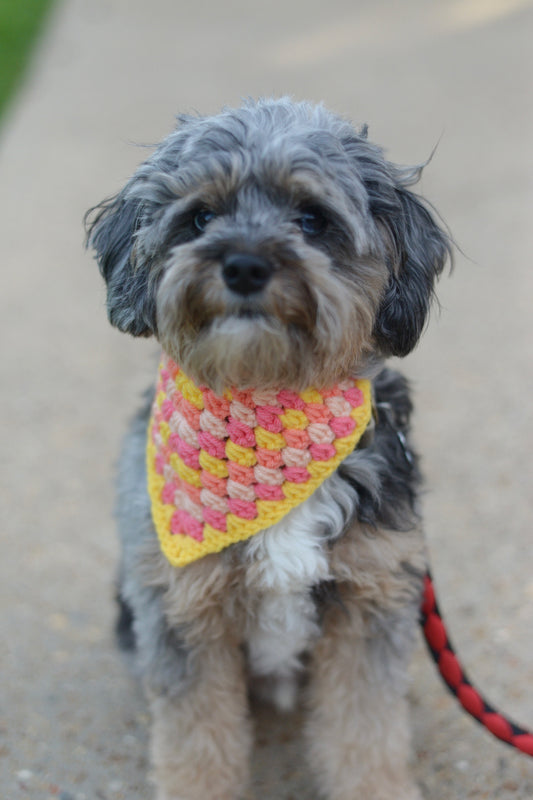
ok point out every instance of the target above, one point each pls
(186, 500)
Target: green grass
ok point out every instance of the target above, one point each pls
(20, 23)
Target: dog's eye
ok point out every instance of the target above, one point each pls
(202, 218)
(312, 222)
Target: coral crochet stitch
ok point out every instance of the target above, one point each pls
(222, 468)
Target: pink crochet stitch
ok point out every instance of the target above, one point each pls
(221, 468)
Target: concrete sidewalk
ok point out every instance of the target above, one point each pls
(73, 725)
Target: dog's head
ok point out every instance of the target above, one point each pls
(271, 245)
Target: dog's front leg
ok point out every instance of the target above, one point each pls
(358, 729)
(201, 739)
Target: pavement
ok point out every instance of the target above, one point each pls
(108, 76)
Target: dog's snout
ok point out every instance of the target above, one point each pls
(245, 273)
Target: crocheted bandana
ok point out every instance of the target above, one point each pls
(222, 468)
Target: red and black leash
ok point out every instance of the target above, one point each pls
(455, 677)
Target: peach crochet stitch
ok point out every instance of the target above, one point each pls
(222, 468)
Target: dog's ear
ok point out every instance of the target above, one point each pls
(123, 230)
(417, 250)
(111, 230)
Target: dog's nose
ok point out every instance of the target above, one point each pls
(245, 273)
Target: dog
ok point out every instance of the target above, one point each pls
(279, 258)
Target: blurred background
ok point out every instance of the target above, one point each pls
(101, 77)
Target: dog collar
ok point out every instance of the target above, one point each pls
(222, 468)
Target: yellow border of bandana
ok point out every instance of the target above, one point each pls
(181, 550)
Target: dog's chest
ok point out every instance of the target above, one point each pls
(283, 564)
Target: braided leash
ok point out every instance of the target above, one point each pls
(455, 678)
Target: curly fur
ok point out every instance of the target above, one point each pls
(337, 261)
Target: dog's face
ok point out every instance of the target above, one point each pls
(270, 245)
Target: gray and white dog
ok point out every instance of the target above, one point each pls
(274, 246)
